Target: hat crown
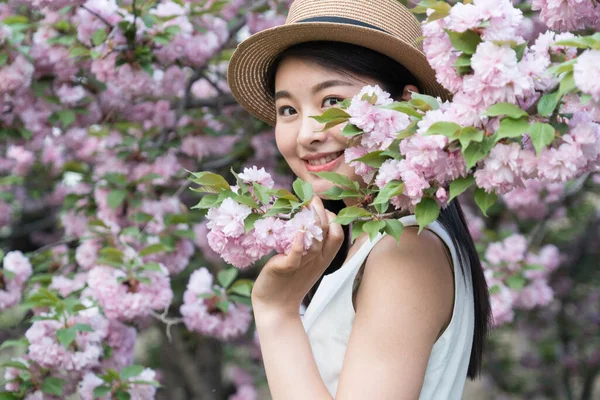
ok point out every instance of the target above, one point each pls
(390, 16)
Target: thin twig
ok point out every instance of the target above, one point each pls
(100, 17)
(167, 321)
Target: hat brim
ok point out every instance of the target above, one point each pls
(249, 63)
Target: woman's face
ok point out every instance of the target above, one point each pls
(304, 89)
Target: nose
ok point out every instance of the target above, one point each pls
(310, 132)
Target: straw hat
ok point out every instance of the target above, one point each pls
(385, 26)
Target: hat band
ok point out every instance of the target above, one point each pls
(341, 20)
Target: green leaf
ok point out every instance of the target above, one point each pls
(459, 185)
(210, 179)
(66, 336)
(250, 221)
(350, 214)
(541, 134)
(351, 130)
(99, 36)
(122, 395)
(281, 206)
(374, 159)
(373, 228)
(394, 228)
(566, 66)
(477, 151)
(333, 193)
(9, 396)
(391, 189)
(567, 84)
(243, 287)
(100, 391)
(15, 364)
(261, 192)
(152, 266)
(130, 371)
(466, 41)
(246, 200)
(284, 194)
(403, 107)
(430, 100)
(547, 103)
(426, 212)
(116, 197)
(66, 117)
(469, 134)
(484, 200)
(53, 386)
(82, 328)
(223, 306)
(336, 178)
(14, 343)
(448, 129)
(332, 114)
(512, 128)
(153, 249)
(508, 109)
(516, 282)
(227, 276)
(357, 229)
(303, 189)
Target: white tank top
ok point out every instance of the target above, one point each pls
(329, 317)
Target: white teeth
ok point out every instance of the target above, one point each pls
(325, 159)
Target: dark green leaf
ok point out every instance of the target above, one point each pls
(430, 100)
(350, 214)
(82, 328)
(98, 36)
(53, 386)
(332, 114)
(484, 200)
(403, 107)
(152, 266)
(100, 391)
(394, 228)
(243, 287)
(459, 185)
(466, 41)
(468, 135)
(357, 229)
(250, 221)
(210, 179)
(66, 336)
(448, 129)
(227, 276)
(115, 198)
(223, 306)
(391, 189)
(351, 130)
(373, 228)
(541, 134)
(508, 109)
(303, 189)
(261, 192)
(512, 128)
(516, 282)
(567, 84)
(547, 103)
(122, 395)
(153, 249)
(130, 371)
(426, 212)
(336, 178)
(374, 159)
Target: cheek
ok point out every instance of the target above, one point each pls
(285, 145)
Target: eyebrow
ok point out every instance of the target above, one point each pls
(316, 89)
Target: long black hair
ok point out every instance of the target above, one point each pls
(355, 60)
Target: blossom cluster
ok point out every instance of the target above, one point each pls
(240, 247)
(13, 276)
(518, 277)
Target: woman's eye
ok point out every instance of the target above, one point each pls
(286, 111)
(332, 101)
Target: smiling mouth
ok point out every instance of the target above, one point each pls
(324, 160)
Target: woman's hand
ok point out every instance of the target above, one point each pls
(286, 279)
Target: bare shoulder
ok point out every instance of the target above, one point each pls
(404, 302)
(414, 269)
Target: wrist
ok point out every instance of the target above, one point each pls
(264, 313)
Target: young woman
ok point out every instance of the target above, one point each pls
(385, 320)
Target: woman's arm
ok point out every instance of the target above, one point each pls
(289, 363)
(405, 300)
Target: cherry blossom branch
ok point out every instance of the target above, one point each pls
(169, 322)
(100, 17)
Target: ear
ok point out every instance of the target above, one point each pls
(406, 92)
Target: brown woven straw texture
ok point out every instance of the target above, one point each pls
(250, 61)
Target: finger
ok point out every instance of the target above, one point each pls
(320, 211)
(335, 237)
(294, 257)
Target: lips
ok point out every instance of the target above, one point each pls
(326, 162)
